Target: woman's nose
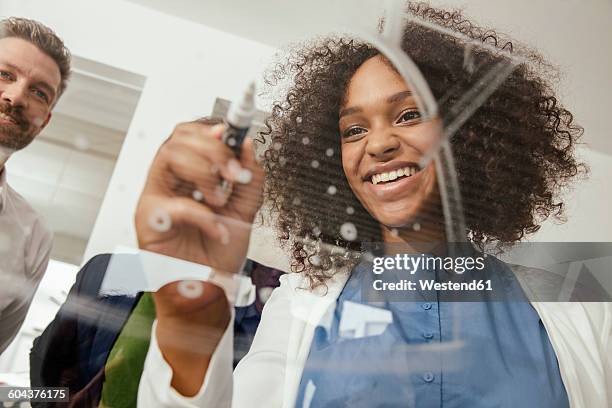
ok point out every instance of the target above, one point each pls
(382, 144)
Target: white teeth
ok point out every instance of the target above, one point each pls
(393, 174)
(6, 117)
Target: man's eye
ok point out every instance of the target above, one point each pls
(40, 94)
(354, 131)
(409, 116)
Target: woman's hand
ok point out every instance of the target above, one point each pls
(192, 165)
(185, 212)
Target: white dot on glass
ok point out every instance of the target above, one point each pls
(305, 140)
(350, 210)
(329, 152)
(316, 231)
(277, 146)
(416, 226)
(314, 164)
(191, 289)
(298, 119)
(348, 231)
(315, 260)
(197, 195)
(331, 190)
(245, 176)
(231, 141)
(297, 201)
(81, 143)
(265, 293)
(160, 221)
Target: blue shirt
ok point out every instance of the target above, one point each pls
(432, 353)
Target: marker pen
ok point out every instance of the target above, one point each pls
(239, 118)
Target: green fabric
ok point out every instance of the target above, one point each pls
(126, 360)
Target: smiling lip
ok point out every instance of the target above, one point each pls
(387, 167)
(6, 118)
(389, 190)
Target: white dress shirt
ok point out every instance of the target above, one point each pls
(25, 245)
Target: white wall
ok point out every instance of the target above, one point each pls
(589, 216)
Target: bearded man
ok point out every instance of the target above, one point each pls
(34, 70)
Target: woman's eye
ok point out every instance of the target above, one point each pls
(6, 75)
(354, 131)
(409, 116)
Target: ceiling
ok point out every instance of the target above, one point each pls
(64, 173)
(574, 35)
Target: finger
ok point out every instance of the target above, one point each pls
(185, 211)
(217, 130)
(203, 139)
(210, 146)
(248, 187)
(190, 296)
(207, 145)
(195, 127)
(197, 177)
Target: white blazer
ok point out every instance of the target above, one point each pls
(269, 375)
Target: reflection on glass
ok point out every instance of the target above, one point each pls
(396, 169)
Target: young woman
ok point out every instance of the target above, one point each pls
(342, 169)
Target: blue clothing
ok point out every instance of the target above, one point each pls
(429, 353)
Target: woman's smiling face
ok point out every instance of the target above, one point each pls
(383, 139)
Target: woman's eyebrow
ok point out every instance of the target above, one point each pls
(349, 111)
(400, 96)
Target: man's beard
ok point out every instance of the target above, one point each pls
(15, 136)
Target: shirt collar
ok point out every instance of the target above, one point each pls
(3, 189)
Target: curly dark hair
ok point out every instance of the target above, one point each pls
(513, 156)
